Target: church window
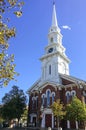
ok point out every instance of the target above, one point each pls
(48, 98)
(51, 39)
(43, 100)
(53, 96)
(50, 69)
(68, 95)
(33, 102)
(73, 93)
(36, 102)
(51, 29)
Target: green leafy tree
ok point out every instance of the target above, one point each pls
(24, 117)
(1, 119)
(7, 66)
(14, 104)
(58, 110)
(76, 110)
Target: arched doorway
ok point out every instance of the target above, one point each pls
(48, 120)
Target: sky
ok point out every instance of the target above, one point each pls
(32, 37)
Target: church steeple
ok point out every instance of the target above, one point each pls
(54, 18)
(54, 61)
(54, 32)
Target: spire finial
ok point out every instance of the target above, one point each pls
(54, 18)
(53, 2)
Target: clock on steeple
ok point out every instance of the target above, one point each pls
(50, 50)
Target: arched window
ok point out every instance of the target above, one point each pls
(53, 97)
(73, 93)
(33, 102)
(43, 99)
(37, 102)
(49, 69)
(48, 98)
(68, 95)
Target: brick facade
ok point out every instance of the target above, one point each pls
(39, 106)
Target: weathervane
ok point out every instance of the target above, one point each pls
(53, 2)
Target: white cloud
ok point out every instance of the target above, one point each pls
(66, 27)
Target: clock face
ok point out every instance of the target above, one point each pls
(50, 50)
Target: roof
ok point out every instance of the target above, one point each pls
(71, 78)
(65, 81)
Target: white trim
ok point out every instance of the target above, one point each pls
(53, 93)
(67, 92)
(43, 95)
(73, 91)
(49, 91)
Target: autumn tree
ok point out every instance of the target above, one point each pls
(58, 110)
(76, 111)
(14, 104)
(7, 66)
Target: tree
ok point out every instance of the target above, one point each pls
(58, 110)
(7, 65)
(24, 117)
(14, 104)
(76, 110)
(1, 119)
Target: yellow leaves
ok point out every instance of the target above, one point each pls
(5, 34)
(20, 4)
(2, 41)
(57, 108)
(10, 33)
(16, 3)
(1, 56)
(7, 67)
(5, 83)
(18, 13)
(12, 2)
(1, 24)
(7, 72)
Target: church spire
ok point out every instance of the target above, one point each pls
(54, 18)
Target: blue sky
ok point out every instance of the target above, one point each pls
(31, 38)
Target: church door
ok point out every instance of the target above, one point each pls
(48, 120)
